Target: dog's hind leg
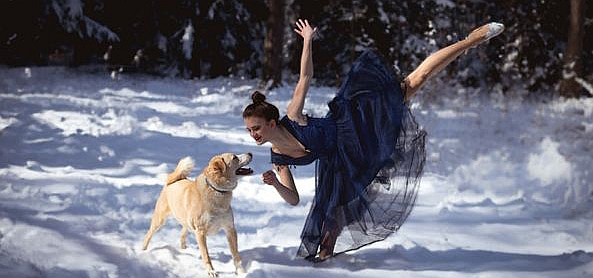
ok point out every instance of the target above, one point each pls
(201, 239)
(183, 240)
(231, 235)
(161, 211)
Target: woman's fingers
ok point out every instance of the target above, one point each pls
(269, 177)
(302, 24)
(304, 28)
(299, 24)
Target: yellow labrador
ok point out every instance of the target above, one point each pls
(203, 205)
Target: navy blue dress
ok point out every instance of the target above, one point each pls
(370, 155)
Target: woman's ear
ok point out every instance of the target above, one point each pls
(273, 123)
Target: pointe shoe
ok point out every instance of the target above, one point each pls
(493, 29)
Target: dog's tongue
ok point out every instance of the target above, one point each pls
(244, 171)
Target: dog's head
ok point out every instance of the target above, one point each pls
(223, 169)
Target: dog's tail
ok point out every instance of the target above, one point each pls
(183, 169)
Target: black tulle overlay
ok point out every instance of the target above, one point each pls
(370, 155)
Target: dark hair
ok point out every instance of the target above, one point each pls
(261, 108)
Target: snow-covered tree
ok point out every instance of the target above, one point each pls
(70, 15)
(273, 66)
(209, 38)
(573, 66)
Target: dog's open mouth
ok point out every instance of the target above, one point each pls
(243, 171)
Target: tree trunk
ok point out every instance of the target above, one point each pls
(572, 57)
(273, 44)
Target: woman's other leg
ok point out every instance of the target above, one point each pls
(437, 61)
(328, 241)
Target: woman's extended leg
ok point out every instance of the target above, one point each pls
(437, 61)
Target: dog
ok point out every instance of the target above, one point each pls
(203, 205)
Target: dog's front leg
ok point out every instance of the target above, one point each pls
(201, 238)
(231, 235)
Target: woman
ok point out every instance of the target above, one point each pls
(369, 150)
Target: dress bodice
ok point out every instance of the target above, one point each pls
(318, 137)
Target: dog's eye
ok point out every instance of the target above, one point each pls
(235, 157)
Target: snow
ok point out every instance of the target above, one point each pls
(539, 167)
(507, 188)
(188, 41)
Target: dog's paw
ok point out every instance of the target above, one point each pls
(240, 271)
(212, 273)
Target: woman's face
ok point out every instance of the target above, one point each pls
(259, 128)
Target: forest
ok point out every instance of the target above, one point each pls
(547, 47)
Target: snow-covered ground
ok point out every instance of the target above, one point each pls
(507, 189)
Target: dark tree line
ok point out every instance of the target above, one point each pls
(547, 47)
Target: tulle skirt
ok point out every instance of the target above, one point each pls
(367, 187)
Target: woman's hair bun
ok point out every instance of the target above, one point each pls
(258, 97)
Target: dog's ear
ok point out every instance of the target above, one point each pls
(217, 171)
(219, 165)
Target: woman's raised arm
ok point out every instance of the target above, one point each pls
(295, 107)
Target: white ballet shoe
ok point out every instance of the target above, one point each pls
(493, 29)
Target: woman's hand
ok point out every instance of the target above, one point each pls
(304, 29)
(269, 177)
(285, 186)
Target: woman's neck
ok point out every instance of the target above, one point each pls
(281, 138)
(285, 143)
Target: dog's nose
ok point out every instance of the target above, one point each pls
(249, 154)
